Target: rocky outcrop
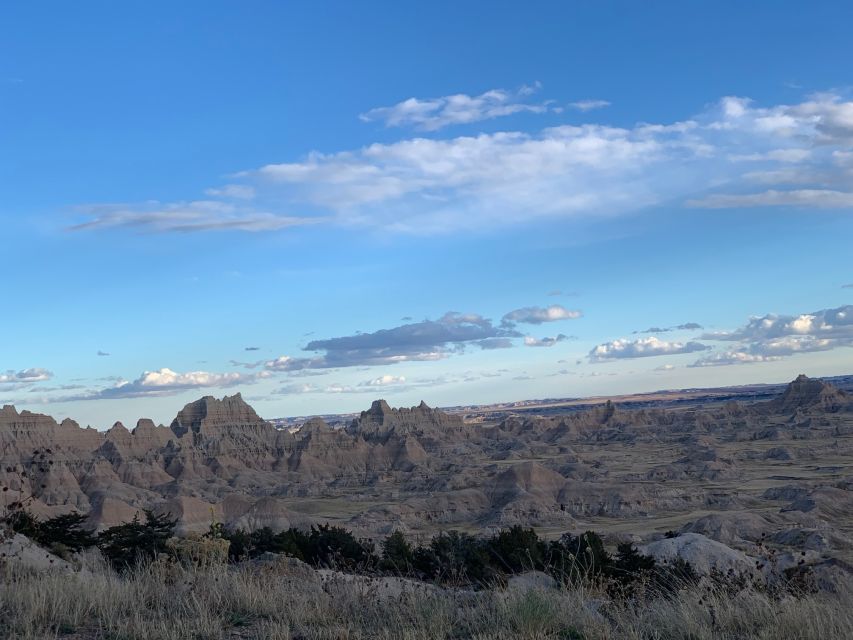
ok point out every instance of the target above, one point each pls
(381, 421)
(806, 393)
(212, 417)
(713, 470)
(703, 554)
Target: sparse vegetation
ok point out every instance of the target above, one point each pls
(169, 601)
(128, 544)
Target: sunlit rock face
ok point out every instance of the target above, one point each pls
(810, 393)
(735, 472)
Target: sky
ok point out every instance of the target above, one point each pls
(321, 203)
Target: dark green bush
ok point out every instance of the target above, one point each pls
(323, 546)
(329, 546)
(62, 534)
(23, 522)
(69, 531)
(457, 558)
(246, 544)
(517, 549)
(450, 557)
(126, 545)
(576, 558)
(398, 557)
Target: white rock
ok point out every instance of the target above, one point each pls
(702, 553)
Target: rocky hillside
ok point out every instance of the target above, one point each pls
(780, 468)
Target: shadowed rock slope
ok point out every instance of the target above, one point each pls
(733, 471)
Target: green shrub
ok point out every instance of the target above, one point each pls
(68, 530)
(397, 554)
(126, 545)
(457, 558)
(23, 522)
(329, 546)
(516, 549)
(575, 558)
(61, 534)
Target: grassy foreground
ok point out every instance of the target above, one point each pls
(162, 601)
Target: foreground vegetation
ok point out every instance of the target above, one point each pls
(170, 601)
(136, 581)
(448, 559)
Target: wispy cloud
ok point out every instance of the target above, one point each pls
(538, 315)
(432, 114)
(726, 358)
(384, 381)
(687, 326)
(186, 217)
(167, 382)
(642, 348)
(530, 341)
(427, 340)
(385, 384)
(240, 191)
(589, 105)
(817, 198)
(494, 343)
(25, 376)
(473, 182)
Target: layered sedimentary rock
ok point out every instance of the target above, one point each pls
(780, 470)
(809, 393)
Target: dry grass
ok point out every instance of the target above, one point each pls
(167, 602)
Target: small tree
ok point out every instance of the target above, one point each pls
(455, 557)
(574, 558)
(397, 554)
(241, 544)
(126, 545)
(292, 542)
(330, 546)
(516, 549)
(67, 531)
(23, 522)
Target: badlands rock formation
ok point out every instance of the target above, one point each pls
(776, 473)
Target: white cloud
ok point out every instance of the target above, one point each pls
(771, 336)
(446, 185)
(538, 315)
(167, 382)
(836, 324)
(779, 155)
(473, 182)
(25, 376)
(387, 383)
(427, 340)
(530, 341)
(384, 381)
(241, 191)
(732, 357)
(641, 348)
(431, 114)
(589, 105)
(186, 217)
(819, 198)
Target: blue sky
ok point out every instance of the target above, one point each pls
(322, 203)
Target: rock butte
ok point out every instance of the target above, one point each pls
(780, 470)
